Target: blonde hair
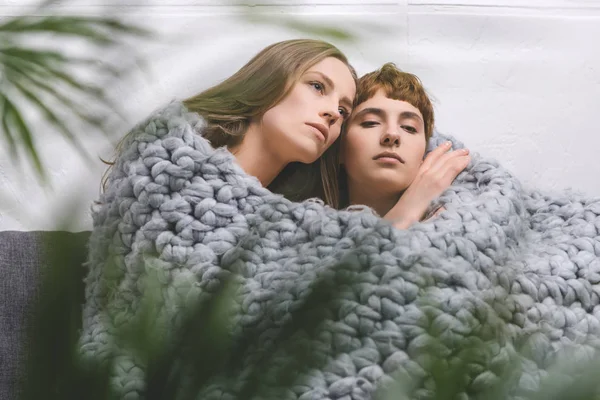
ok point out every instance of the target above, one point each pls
(397, 85)
(262, 83)
(230, 106)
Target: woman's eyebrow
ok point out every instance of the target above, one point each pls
(370, 110)
(410, 114)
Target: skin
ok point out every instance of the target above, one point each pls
(287, 132)
(400, 191)
(378, 125)
(436, 174)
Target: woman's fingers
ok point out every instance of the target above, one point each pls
(455, 166)
(435, 155)
(440, 169)
(447, 160)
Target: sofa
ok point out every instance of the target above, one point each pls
(24, 262)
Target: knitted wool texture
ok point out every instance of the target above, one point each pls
(497, 250)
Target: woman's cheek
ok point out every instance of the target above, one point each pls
(354, 155)
(335, 134)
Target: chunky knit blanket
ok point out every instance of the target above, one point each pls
(498, 251)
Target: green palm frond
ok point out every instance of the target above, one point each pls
(97, 29)
(44, 81)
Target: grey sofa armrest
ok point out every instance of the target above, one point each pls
(23, 257)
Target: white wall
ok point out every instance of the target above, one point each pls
(517, 80)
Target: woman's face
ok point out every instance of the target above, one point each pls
(384, 145)
(308, 120)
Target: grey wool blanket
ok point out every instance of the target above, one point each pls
(513, 266)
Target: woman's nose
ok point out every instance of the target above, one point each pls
(390, 139)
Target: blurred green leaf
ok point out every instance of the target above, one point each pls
(100, 30)
(52, 118)
(46, 78)
(183, 359)
(6, 130)
(53, 369)
(16, 129)
(327, 32)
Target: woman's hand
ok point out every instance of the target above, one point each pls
(438, 171)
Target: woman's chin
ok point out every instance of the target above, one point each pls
(307, 152)
(390, 182)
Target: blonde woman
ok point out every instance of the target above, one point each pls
(275, 117)
(279, 113)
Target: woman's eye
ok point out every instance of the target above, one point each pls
(343, 112)
(318, 86)
(409, 128)
(369, 124)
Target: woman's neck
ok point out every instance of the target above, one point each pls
(256, 157)
(380, 202)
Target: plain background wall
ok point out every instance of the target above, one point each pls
(515, 80)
